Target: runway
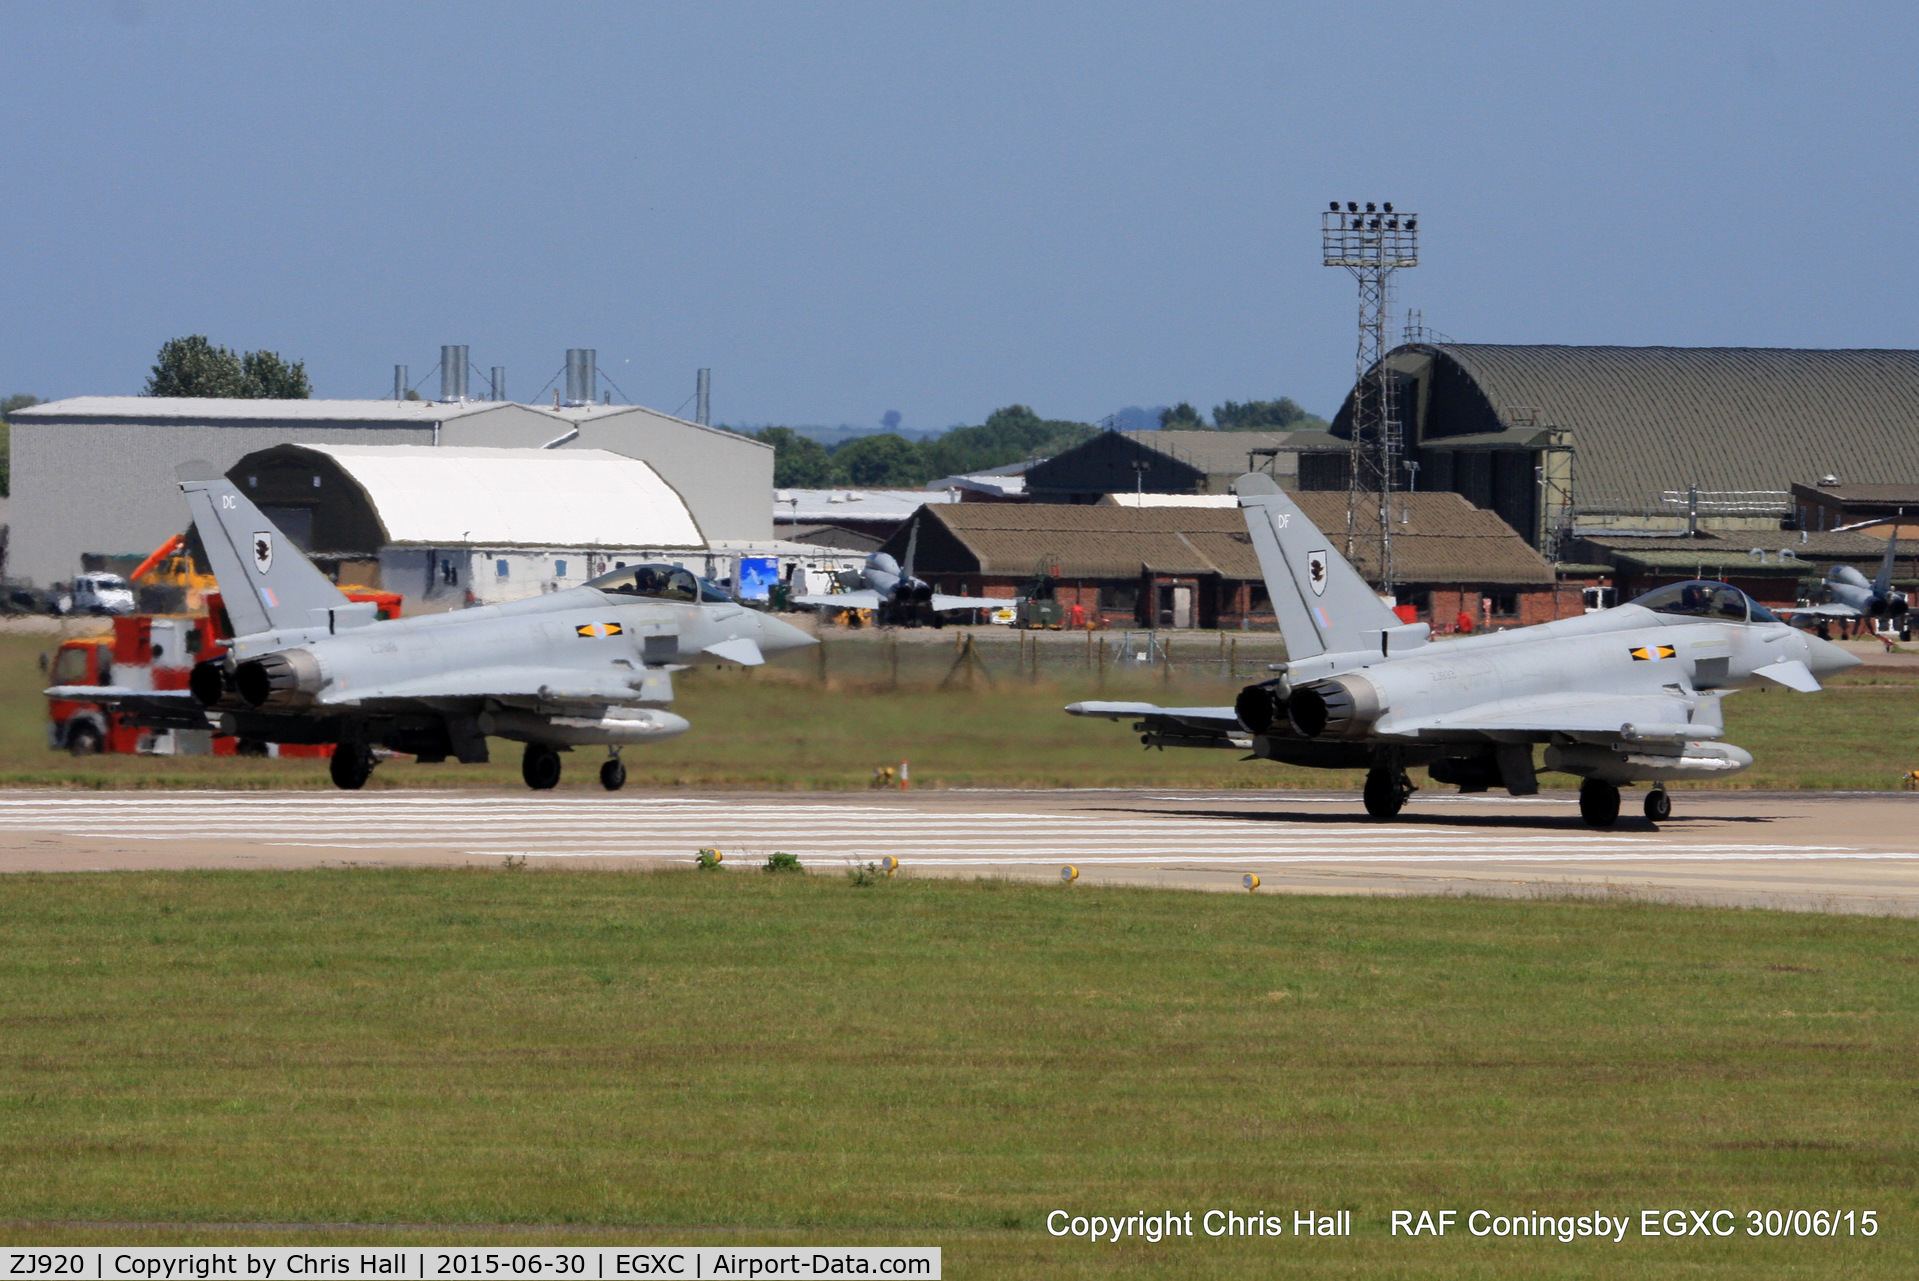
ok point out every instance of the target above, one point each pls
(1820, 852)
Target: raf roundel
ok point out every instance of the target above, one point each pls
(263, 551)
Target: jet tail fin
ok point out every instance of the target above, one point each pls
(1882, 585)
(1324, 606)
(265, 583)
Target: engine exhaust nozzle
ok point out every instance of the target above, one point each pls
(1343, 708)
(288, 679)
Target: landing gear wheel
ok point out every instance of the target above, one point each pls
(84, 740)
(613, 775)
(1385, 792)
(1598, 802)
(351, 765)
(540, 767)
(1658, 805)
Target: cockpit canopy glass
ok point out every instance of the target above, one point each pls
(1702, 599)
(660, 582)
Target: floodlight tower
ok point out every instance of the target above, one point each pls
(1372, 242)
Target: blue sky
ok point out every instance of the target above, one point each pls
(845, 209)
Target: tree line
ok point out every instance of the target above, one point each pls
(1010, 435)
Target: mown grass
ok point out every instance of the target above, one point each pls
(692, 1056)
(778, 729)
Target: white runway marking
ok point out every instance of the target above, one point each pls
(831, 833)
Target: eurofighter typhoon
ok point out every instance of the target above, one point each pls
(589, 666)
(1628, 695)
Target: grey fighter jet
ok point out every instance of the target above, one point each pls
(1847, 595)
(1627, 695)
(894, 594)
(589, 666)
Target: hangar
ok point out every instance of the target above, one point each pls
(94, 474)
(1159, 462)
(463, 525)
(1193, 566)
(1564, 439)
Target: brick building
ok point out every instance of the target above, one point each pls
(1127, 566)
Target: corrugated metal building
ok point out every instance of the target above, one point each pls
(95, 473)
(1195, 566)
(1159, 462)
(1620, 426)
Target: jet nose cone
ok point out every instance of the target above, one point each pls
(775, 636)
(1827, 659)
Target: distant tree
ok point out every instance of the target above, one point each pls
(19, 400)
(885, 459)
(270, 378)
(890, 420)
(1181, 417)
(1284, 414)
(1009, 435)
(193, 366)
(799, 462)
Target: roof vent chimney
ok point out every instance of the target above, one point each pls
(498, 390)
(582, 375)
(399, 382)
(453, 373)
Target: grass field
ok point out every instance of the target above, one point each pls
(779, 728)
(747, 1058)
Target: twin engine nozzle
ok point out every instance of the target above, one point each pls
(1343, 708)
(288, 679)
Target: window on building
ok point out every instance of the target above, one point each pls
(559, 569)
(499, 568)
(1505, 604)
(1122, 596)
(448, 574)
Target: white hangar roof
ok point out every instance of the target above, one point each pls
(203, 409)
(451, 496)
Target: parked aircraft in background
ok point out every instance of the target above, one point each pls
(590, 666)
(894, 594)
(1625, 695)
(1847, 596)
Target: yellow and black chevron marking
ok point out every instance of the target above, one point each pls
(1652, 653)
(598, 629)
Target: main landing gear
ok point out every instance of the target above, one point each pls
(1387, 788)
(1599, 802)
(540, 767)
(351, 765)
(613, 773)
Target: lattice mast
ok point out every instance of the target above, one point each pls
(1372, 243)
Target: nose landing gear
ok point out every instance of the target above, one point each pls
(613, 772)
(1658, 805)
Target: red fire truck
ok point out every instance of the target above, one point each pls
(148, 651)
